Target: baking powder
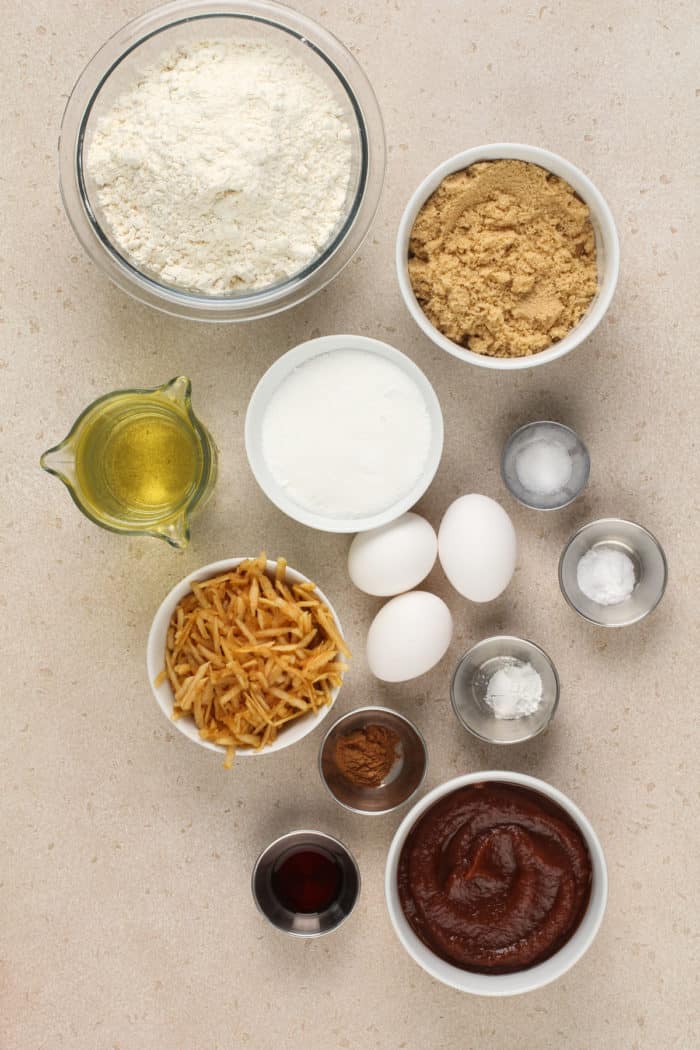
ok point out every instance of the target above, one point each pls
(225, 166)
(514, 691)
(347, 434)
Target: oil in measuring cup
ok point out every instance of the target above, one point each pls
(138, 461)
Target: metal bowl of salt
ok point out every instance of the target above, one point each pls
(545, 465)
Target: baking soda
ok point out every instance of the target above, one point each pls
(606, 575)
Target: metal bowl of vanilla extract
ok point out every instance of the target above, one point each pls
(306, 883)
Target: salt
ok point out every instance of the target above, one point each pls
(544, 467)
(606, 575)
(514, 691)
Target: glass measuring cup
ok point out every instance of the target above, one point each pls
(138, 462)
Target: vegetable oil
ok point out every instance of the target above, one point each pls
(138, 463)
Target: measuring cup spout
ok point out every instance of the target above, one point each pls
(60, 461)
(176, 532)
(178, 390)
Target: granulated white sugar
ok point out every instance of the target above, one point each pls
(347, 434)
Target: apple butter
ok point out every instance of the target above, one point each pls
(494, 877)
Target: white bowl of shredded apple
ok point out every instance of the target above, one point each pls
(246, 656)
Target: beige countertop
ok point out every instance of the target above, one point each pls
(126, 921)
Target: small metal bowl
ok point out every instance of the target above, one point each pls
(404, 778)
(307, 924)
(650, 571)
(546, 430)
(470, 683)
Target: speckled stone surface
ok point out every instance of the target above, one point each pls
(126, 921)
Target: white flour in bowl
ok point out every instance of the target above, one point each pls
(347, 434)
(224, 167)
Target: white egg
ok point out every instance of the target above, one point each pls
(394, 557)
(408, 636)
(477, 547)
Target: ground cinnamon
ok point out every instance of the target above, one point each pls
(366, 755)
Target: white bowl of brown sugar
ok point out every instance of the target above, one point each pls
(507, 256)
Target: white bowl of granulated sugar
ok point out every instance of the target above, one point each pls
(344, 433)
(202, 197)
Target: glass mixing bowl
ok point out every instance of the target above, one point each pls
(115, 67)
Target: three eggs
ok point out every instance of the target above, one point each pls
(477, 549)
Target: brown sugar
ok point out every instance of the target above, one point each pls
(502, 258)
(365, 756)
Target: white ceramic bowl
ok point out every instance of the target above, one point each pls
(506, 983)
(155, 651)
(272, 380)
(607, 247)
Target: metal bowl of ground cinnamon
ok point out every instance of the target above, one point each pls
(373, 760)
(507, 256)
